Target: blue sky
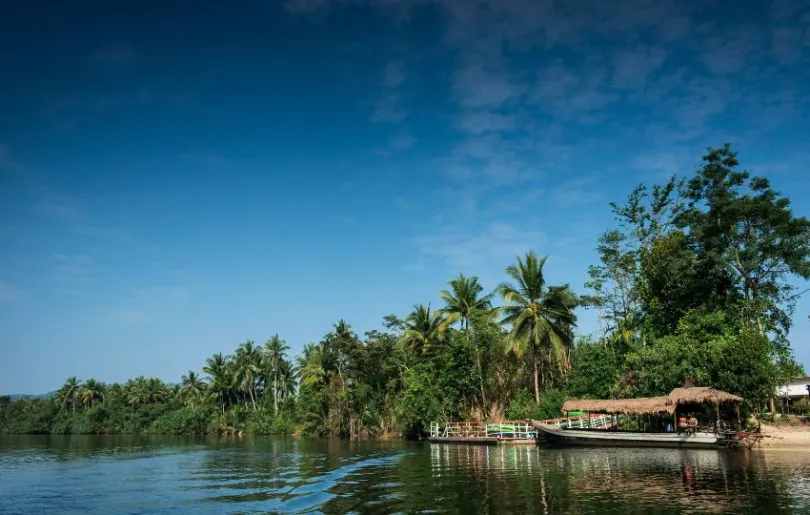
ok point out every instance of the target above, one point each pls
(176, 179)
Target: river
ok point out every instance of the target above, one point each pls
(143, 475)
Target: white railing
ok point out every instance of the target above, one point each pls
(509, 430)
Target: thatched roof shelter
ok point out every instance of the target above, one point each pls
(701, 394)
(651, 405)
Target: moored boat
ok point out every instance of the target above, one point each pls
(602, 438)
(665, 428)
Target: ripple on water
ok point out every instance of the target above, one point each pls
(267, 475)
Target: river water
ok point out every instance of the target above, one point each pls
(141, 475)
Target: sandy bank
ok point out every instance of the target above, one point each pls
(785, 436)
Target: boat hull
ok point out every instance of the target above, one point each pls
(597, 438)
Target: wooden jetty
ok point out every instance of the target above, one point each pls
(522, 432)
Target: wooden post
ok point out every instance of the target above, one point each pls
(739, 422)
(717, 407)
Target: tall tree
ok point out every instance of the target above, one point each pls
(541, 317)
(91, 391)
(67, 393)
(461, 301)
(219, 371)
(192, 387)
(274, 350)
(422, 329)
(247, 367)
(746, 238)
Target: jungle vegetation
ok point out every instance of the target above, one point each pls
(693, 287)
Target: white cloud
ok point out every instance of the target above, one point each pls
(580, 191)
(480, 122)
(393, 75)
(484, 250)
(388, 110)
(478, 87)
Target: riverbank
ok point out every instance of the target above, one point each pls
(785, 436)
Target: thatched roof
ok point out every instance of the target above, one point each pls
(650, 405)
(625, 406)
(701, 394)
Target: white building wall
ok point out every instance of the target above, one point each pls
(796, 388)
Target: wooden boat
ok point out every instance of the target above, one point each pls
(666, 408)
(596, 437)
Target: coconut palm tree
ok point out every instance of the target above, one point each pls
(422, 329)
(247, 367)
(463, 299)
(219, 371)
(90, 391)
(156, 391)
(312, 369)
(540, 317)
(274, 350)
(67, 393)
(192, 387)
(286, 379)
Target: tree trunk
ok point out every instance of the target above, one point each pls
(536, 381)
(275, 394)
(481, 383)
(480, 369)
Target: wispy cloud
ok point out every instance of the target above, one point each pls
(484, 251)
(393, 77)
(397, 143)
(388, 110)
(56, 205)
(578, 192)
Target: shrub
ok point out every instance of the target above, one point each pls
(801, 407)
(521, 407)
(185, 421)
(551, 403)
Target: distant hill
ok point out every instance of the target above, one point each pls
(18, 396)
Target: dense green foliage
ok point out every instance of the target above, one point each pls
(692, 288)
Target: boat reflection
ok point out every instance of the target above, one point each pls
(658, 480)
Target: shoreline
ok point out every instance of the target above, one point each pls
(784, 437)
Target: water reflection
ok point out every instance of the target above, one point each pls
(262, 475)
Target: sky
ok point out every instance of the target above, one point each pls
(178, 177)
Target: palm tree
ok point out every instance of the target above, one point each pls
(286, 379)
(422, 329)
(68, 393)
(541, 317)
(311, 365)
(462, 302)
(155, 390)
(91, 391)
(247, 361)
(192, 387)
(219, 371)
(274, 349)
